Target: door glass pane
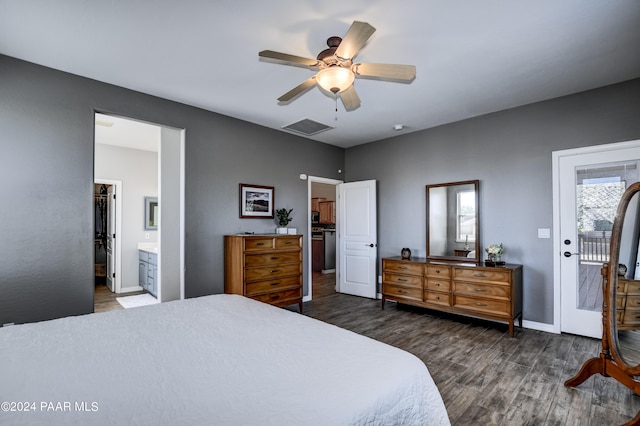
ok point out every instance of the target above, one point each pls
(598, 192)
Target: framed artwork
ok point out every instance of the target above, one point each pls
(150, 213)
(256, 201)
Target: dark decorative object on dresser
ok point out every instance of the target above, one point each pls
(405, 253)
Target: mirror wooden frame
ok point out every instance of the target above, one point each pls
(610, 363)
(476, 245)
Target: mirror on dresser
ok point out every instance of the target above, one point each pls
(620, 354)
(453, 231)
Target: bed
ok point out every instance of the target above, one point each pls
(214, 360)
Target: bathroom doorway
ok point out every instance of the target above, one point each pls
(148, 161)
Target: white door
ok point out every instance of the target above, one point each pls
(357, 238)
(111, 229)
(590, 187)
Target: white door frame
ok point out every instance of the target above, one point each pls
(310, 180)
(557, 247)
(118, 241)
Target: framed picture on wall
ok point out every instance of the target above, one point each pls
(150, 213)
(256, 201)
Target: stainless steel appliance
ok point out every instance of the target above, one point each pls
(329, 250)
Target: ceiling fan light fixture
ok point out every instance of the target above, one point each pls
(335, 79)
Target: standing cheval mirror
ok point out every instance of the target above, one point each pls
(620, 355)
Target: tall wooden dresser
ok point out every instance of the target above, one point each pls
(628, 304)
(267, 268)
(486, 292)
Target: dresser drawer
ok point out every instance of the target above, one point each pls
(436, 298)
(481, 289)
(633, 288)
(277, 284)
(279, 297)
(255, 274)
(392, 290)
(288, 242)
(438, 284)
(619, 316)
(631, 317)
(633, 302)
(405, 280)
(403, 267)
(491, 306)
(254, 244)
(621, 288)
(471, 274)
(271, 258)
(620, 299)
(438, 271)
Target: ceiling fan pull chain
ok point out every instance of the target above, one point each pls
(336, 99)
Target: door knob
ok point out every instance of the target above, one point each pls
(569, 254)
(371, 245)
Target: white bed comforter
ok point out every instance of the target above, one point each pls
(214, 360)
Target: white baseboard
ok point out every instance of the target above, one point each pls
(130, 289)
(540, 326)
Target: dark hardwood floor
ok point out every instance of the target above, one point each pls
(485, 377)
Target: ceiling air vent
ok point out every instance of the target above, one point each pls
(307, 127)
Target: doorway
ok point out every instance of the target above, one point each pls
(588, 184)
(106, 227)
(322, 195)
(149, 161)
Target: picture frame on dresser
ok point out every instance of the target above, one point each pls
(256, 201)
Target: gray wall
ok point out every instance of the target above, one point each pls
(46, 165)
(510, 153)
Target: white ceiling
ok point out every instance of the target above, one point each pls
(126, 133)
(472, 57)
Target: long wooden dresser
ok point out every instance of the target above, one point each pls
(493, 293)
(267, 268)
(628, 304)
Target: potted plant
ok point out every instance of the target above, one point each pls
(283, 218)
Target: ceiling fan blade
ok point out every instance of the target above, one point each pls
(286, 59)
(387, 72)
(299, 90)
(354, 39)
(350, 98)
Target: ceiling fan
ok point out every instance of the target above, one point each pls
(336, 70)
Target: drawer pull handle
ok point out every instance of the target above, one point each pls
(437, 284)
(437, 297)
(276, 283)
(479, 290)
(479, 275)
(274, 271)
(402, 279)
(275, 257)
(437, 271)
(480, 304)
(275, 296)
(259, 244)
(400, 291)
(403, 267)
(288, 243)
